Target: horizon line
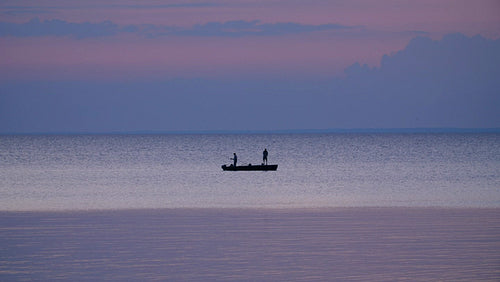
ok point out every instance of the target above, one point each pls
(277, 131)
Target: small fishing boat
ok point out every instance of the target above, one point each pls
(250, 167)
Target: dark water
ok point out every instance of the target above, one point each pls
(315, 170)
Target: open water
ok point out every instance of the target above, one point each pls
(89, 172)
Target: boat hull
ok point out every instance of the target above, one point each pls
(250, 168)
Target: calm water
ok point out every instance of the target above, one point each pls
(315, 170)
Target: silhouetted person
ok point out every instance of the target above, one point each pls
(264, 157)
(235, 159)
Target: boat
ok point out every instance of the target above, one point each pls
(250, 167)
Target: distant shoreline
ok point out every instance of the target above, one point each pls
(251, 210)
(283, 131)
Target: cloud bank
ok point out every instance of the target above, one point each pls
(36, 28)
(452, 82)
(244, 28)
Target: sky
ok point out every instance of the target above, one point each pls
(159, 66)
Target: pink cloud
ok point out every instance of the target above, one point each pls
(386, 27)
(188, 56)
(440, 16)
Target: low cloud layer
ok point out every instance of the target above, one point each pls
(36, 28)
(243, 28)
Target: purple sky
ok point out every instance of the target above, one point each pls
(99, 66)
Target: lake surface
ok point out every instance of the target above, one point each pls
(340, 207)
(337, 244)
(90, 172)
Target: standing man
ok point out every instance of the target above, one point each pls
(264, 157)
(235, 159)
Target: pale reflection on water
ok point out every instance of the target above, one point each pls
(367, 244)
(315, 170)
